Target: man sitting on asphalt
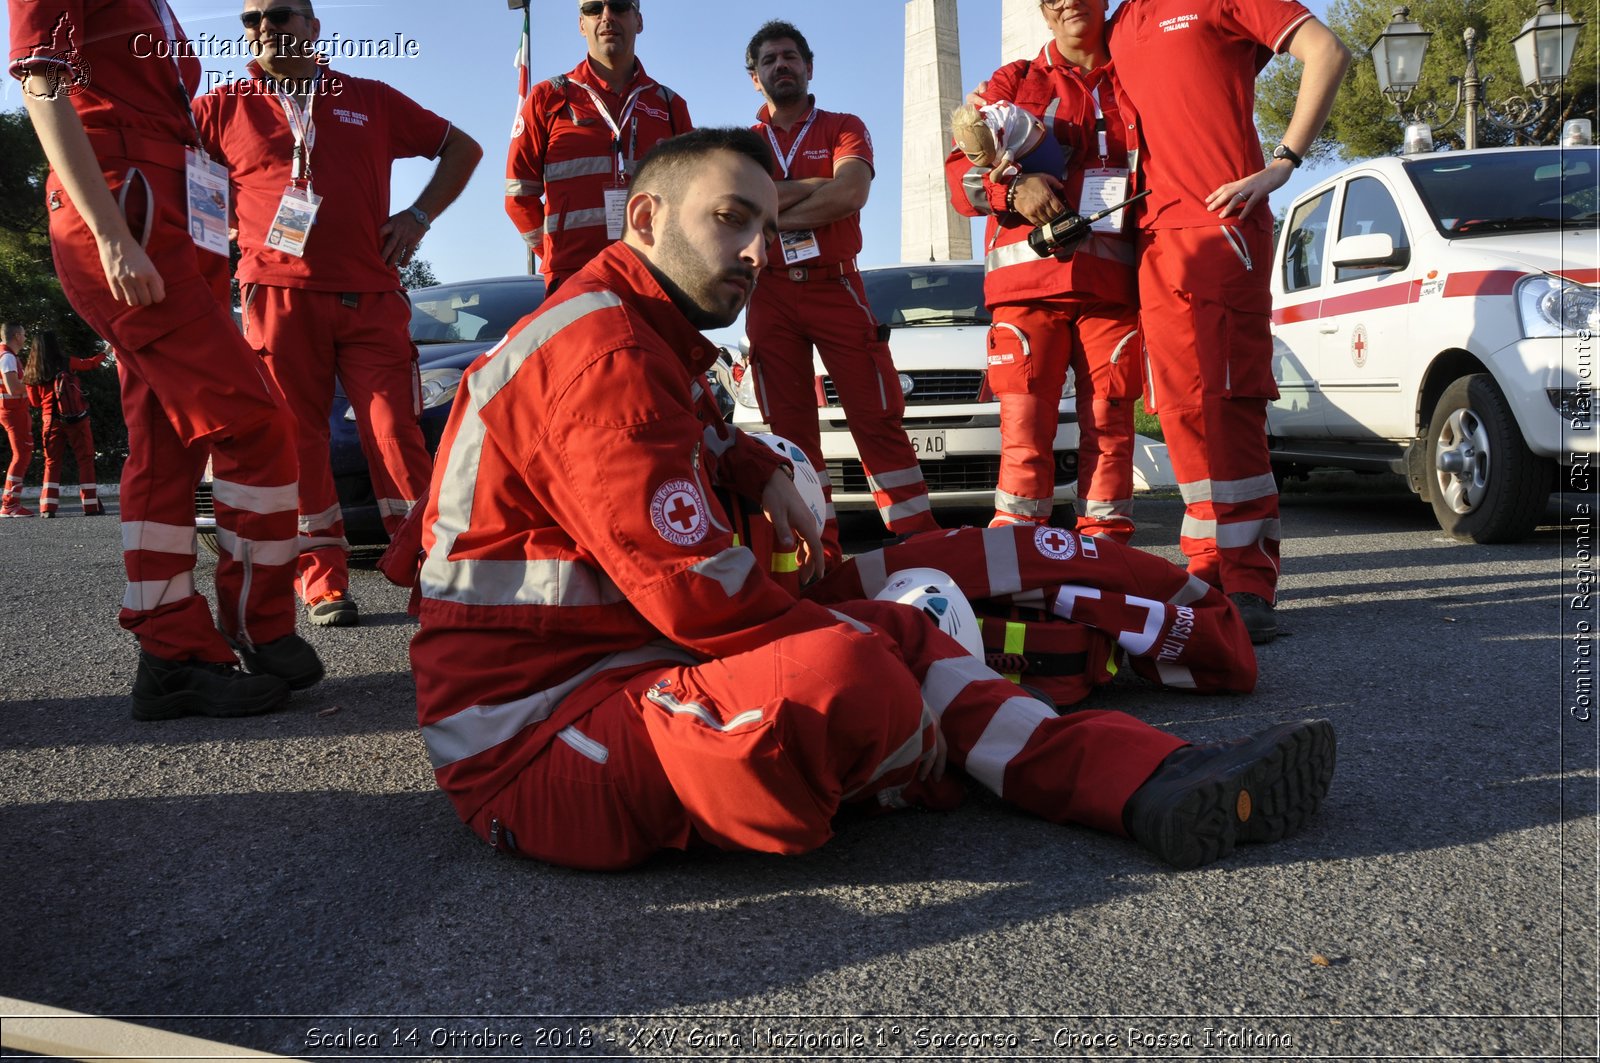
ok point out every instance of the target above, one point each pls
(603, 671)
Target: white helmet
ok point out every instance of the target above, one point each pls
(805, 474)
(936, 594)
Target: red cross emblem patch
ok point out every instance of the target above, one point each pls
(679, 513)
(1056, 544)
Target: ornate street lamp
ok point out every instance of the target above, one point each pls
(1544, 51)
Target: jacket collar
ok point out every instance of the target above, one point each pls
(622, 271)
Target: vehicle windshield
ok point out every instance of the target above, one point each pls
(1509, 191)
(472, 310)
(915, 296)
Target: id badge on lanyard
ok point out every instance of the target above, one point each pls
(207, 182)
(1103, 186)
(799, 245)
(297, 209)
(616, 196)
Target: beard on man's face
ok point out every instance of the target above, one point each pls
(696, 287)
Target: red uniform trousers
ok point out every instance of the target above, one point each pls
(1031, 346)
(1206, 315)
(18, 422)
(758, 751)
(60, 435)
(785, 319)
(309, 337)
(191, 387)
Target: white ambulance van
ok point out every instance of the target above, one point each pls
(1434, 316)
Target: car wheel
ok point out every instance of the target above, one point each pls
(1487, 486)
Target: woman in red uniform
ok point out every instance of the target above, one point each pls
(15, 419)
(60, 425)
(135, 215)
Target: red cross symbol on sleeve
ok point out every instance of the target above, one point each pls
(682, 512)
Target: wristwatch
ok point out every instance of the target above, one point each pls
(1283, 151)
(427, 223)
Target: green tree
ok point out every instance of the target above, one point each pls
(418, 273)
(30, 293)
(1364, 124)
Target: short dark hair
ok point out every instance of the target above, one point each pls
(670, 161)
(9, 329)
(776, 30)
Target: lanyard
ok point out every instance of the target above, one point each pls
(169, 26)
(304, 128)
(1099, 123)
(616, 126)
(794, 149)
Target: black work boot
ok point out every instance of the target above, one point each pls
(290, 658)
(1204, 799)
(1260, 619)
(166, 690)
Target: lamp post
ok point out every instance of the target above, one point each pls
(1544, 50)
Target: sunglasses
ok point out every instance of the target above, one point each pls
(593, 8)
(278, 16)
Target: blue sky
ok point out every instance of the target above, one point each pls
(463, 70)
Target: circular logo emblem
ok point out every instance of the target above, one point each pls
(518, 127)
(1056, 544)
(679, 513)
(907, 385)
(1358, 346)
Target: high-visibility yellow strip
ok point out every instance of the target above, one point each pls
(55, 1032)
(789, 562)
(1016, 634)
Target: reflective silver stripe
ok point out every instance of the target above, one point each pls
(1233, 535)
(315, 522)
(585, 745)
(870, 571)
(1021, 506)
(575, 219)
(271, 552)
(1015, 254)
(152, 594)
(532, 238)
(909, 508)
(490, 582)
(895, 478)
(256, 499)
(1191, 591)
(972, 185)
(1008, 731)
(395, 507)
(50, 486)
(158, 538)
(515, 187)
(1120, 507)
(947, 678)
(850, 621)
(1246, 490)
(584, 167)
(716, 443)
(1000, 560)
(701, 713)
(908, 753)
(481, 727)
(731, 568)
(1175, 675)
(1195, 491)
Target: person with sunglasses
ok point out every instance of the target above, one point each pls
(139, 245)
(578, 139)
(309, 152)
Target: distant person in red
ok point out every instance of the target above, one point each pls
(309, 152)
(579, 138)
(136, 244)
(811, 295)
(53, 389)
(16, 419)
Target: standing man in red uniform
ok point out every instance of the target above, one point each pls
(311, 149)
(133, 229)
(811, 292)
(1050, 314)
(1205, 259)
(578, 139)
(604, 671)
(15, 417)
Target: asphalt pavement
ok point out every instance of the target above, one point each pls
(294, 883)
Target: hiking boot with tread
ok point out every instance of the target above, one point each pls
(1260, 618)
(290, 658)
(1204, 799)
(334, 609)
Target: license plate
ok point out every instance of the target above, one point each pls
(928, 445)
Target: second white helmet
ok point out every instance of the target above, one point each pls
(937, 595)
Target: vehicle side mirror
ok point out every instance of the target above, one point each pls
(1369, 250)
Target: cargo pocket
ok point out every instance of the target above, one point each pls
(1235, 323)
(1010, 359)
